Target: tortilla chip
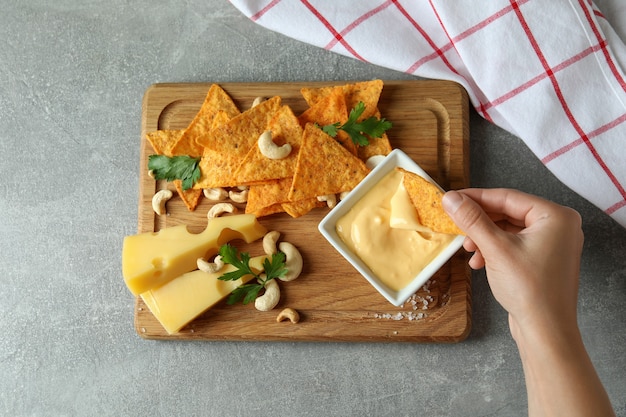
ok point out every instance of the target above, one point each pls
(324, 167)
(230, 143)
(191, 196)
(163, 140)
(376, 146)
(216, 100)
(346, 141)
(299, 208)
(426, 197)
(217, 169)
(366, 91)
(220, 118)
(261, 197)
(240, 132)
(258, 168)
(330, 109)
(271, 198)
(269, 210)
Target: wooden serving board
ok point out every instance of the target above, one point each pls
(430, 123)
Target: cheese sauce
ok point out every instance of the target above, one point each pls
(394, 254)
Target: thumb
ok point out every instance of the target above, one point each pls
(472, 219)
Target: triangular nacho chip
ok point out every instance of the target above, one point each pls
(216, 100)
(230, 143)
(191, 196)
(426, 198)
(269, 210)
(376, 146)
(220, 118)
(243, 130)
(330, 109)
(324, 167)
(266, 198)
(299, 208)
(366, 91)
(217, 169)
(258, 168)
(163, 140)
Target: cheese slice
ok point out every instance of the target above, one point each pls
(150, 260)
(181, 300)
(403, 214)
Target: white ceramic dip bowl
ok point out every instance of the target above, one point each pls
(328, 228)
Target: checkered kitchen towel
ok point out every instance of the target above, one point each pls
(550, 71)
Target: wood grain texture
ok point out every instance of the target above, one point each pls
(430, 123)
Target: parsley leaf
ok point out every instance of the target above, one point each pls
(359, 131)
(331, 130)
(245, 292)
(182, 167)
(274, 267)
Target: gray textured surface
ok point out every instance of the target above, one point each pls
(72, 75)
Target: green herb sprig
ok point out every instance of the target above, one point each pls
(169, 168)
(274, 267)
(357, 131)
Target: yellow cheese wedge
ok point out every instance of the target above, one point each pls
(181, 300)
(150, 260)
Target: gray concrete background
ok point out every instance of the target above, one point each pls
(72, 76)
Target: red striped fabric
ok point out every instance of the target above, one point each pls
(549, 71)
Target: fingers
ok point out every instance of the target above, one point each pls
(477, 261)
(482, 232)
(469, 245)
(492, 218)
(515, 207)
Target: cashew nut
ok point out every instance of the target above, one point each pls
(240, 197)
(269, 242)
(330, 199)
(219, 209)
(258, 101)
(159, 200)
(269, 149)
(215, 194)
(210, 267)
(293, 261)
(288, 314)
(374, 160)
(269, 300)
(343, 195)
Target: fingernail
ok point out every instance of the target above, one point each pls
(451, 201)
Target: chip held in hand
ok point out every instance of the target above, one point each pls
(426, 198)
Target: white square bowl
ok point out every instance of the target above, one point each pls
(327, 228)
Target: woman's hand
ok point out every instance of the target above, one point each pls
(531, 250)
